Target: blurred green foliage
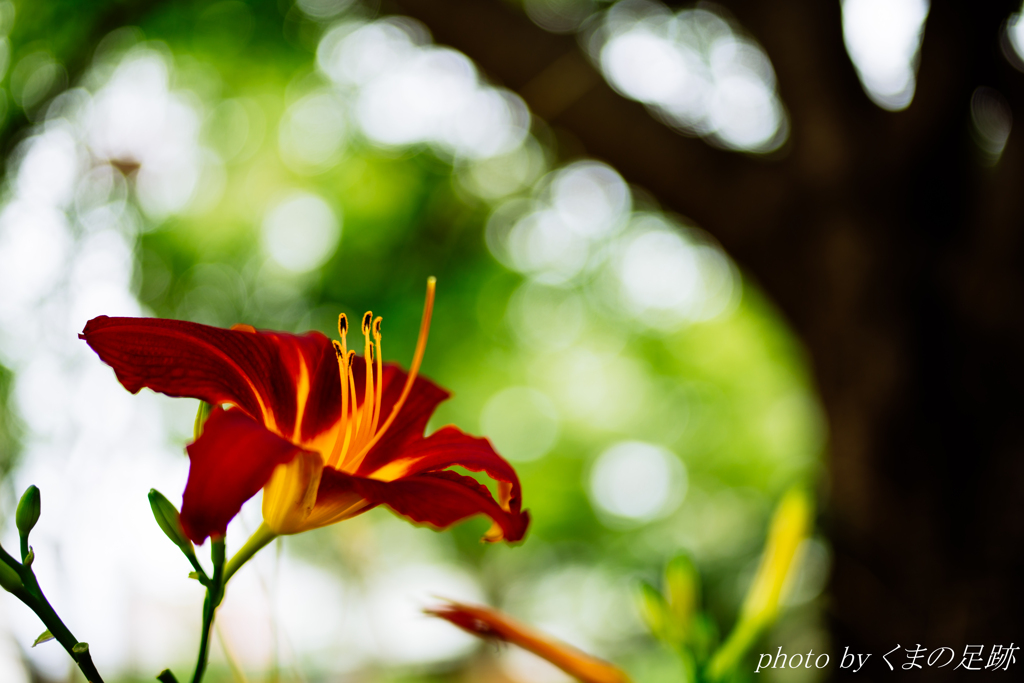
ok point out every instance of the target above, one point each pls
(730, 398)
(10, 427)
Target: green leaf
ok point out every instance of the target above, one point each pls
(43, 637)
(166, 676)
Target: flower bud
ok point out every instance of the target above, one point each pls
(28, 510)
(653, 610)
(790, 526)
(9, 579)
(682, 588)
(170, 521)
(491, 624)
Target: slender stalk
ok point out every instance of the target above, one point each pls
(260, 538)
(214, 595)
(215, 586)
(689, 664)
(728, 656)
(200, 572)
(32, 595)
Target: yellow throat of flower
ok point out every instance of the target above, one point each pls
(290, 495)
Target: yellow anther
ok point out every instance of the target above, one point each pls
(376, 327)
(367, 319)
(342, 325)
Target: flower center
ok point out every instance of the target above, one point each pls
(359, 427)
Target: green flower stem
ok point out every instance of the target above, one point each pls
(32, 595)
(214, 596)
(256, 542)
(200, 572)
(215, 588)
(728, 656)
(689, 664)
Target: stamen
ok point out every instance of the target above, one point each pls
(414, 368)
(343, 372)
(366, 414)
(342, 326)
(354, 413)
(380, 376)
(350, 421)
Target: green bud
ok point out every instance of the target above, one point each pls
(9, 579)
(170, 521)
(28, 511)
(43, 637)
(654, 611)
(682, 588)
(80, 648)
(202, 416)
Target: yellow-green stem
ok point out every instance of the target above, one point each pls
(260, 539)
(214, 595)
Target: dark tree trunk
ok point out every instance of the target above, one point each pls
(894, 252)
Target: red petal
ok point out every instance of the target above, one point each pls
(438, 499)
(450, 447)
(323, 408)
(412, 418)
(420, 404)
(260, 372)
(231, 461)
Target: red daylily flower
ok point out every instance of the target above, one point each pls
(327, 435)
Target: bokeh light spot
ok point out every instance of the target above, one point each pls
(637, 481)
(883, 38)
(301, 232)
(992, 120)
(312, 133)
(694, 70)
(669, 275)
(522, 423)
